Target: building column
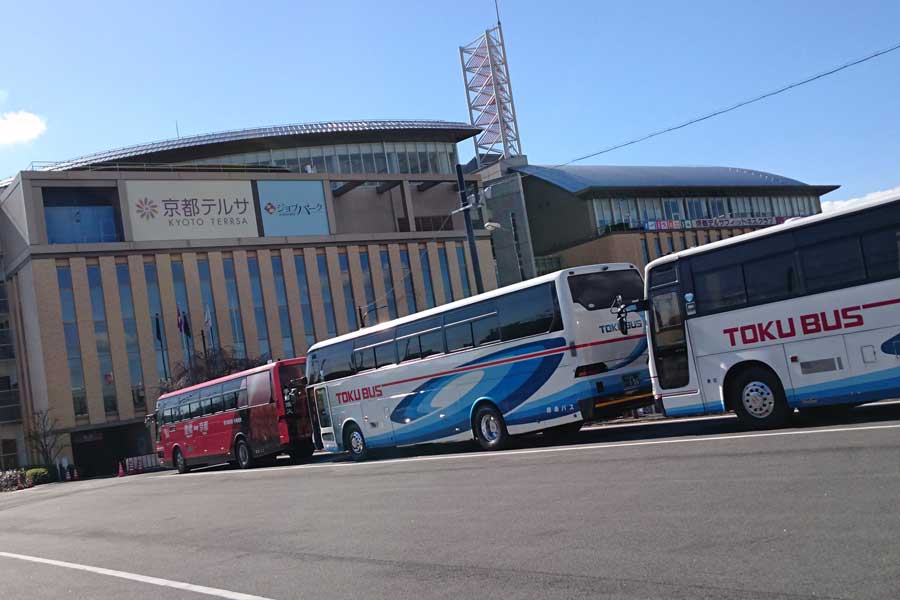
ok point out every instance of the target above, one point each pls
(337, 290)
(398, 279)
(381, 293)
(415, 266)
(90, 363)
(195, 298)
(437, 278)
(456, 270)
(356, 281)
(169, 310)
(486, 260)
(220, 299)
(316, 302)
(248, 318)
(270, 301)
(292, 292)
(145, 328)
(406, 191)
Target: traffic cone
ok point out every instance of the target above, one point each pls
(75, 469)
(68, 476)
(121, 470)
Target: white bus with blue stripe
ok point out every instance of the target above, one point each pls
(544, 354)
(802, 315)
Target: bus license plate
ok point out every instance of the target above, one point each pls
(631, 380)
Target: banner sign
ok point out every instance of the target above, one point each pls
(183, 210)
(719, 222)
(292, 208)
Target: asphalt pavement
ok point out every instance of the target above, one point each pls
(670, 509)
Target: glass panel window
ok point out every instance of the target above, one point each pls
(305, 303)
(408, 288)
(773, 278)
(81, 215)
(210, 328)
(157, 321)
(73, 346)
(463, 271)
(259, 309)
(347, 285)
(388, 282)
(598, 291)
(445, 274)
(234, 309)
(658, 246)
(645, 250)
(426, 276)
(135, 371)
(284, 317)
(882, 253)
(101, 336)
(371, 309)
(532, 311)
(181, 309)
(327, 298)
(832, 264)
(720, 288)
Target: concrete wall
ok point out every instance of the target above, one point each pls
(557, 219)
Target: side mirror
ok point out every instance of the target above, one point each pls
(623, 325)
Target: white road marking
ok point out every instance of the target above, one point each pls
(178, 585)
(514, 453)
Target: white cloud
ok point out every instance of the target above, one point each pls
(20, 126)
(832, 205)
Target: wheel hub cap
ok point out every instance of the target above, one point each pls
(758, 399)
(490, 428)
(356, 442)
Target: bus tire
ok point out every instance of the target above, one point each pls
(180, 462)
(355, 443)
(490, 429)
(242, 454)
(758, 399)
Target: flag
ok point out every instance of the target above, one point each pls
(207, 318)
(179, 321)
(158, 329)
(186, 325)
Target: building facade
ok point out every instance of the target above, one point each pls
(121, 266)
(579, 215)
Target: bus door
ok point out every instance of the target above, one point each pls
(322, 416)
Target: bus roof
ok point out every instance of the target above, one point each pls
(795, 223)
(597, 268)
(266, 367)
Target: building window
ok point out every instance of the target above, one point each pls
(284, 317)
(210, 331)
(349, 300)
(157, 321)
(327, 298)
(463, 271)
(445, 274)
(73, 344)
(672, 243)
(9, 456)
(181, 310)
(305, 305)
(426, 276)
(387, 277)
(81, 215)
(129, 321)
(371, 310)
(101, 338)
(234, 309)
(10, 411)
(408, 288)
(6, 342)
(645, 250)
(259, 309)
(658, 246)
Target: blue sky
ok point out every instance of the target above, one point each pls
(586, 74)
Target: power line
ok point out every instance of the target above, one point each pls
(741, 104)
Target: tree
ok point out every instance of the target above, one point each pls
(43, 437)
(202, 367)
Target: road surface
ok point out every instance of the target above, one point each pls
(674, 509)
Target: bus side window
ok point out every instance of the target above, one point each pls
(242, 394)
(259, 388)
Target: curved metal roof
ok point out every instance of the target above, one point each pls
(269, 137)
(580, 178)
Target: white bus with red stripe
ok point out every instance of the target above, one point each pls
(802, 315)
(544, 354)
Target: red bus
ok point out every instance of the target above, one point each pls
(246, 418)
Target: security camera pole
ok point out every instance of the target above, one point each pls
(465, 208)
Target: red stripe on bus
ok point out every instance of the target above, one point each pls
(504, 361)
(882, 303)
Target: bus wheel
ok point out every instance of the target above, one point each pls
(180, 462)
(758, 399)
(242, 454)
(355, 443)
(490, 430)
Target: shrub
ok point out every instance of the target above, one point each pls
(38, 475)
